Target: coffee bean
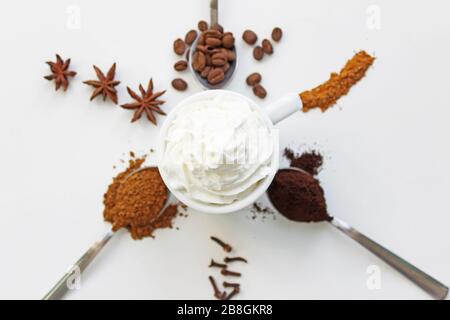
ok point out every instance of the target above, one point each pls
(267, 46)
(208, 60)
(190, 37)
(228, 41)
(198, 61)
(259, 91)
(250, 37)
(213, 34)
(202, 25)
(205, 72)
(254, 79)
(226, 67)
(179, 84)
(179, 47)
(180, 65)
(231, 55)
(277, 34)
(216, 76)
(258, 53)
(217, 27)
(219, 60)
(213, 42)
(202, 48)
(201, 39)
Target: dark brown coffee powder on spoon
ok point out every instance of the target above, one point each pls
(298, 196)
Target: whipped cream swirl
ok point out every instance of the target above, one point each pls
(216, 151)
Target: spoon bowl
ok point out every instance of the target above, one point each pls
(204, 82)
(433, 287)
(214, 10)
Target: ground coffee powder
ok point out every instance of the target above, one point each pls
(134, 201)
(298, 196)
(310, 161)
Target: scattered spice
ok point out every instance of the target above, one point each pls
(260, 91)
(310, 161)
(179, 84)
(249, 37)
(236, 259)
(225, 273)
(226, 247)
(105, 85)
(327, 94)
(229, 273)
(214, 264)
(190, 37)
(259, 210)
(277, 34)
(233, 293)
(254, 79)
(217, 293)
(135, 199)
(148, 103)
(179, 47)
(298, 196)
(180, 65)
(60, 72)
(258, 53)
(230, 285)
(267, 46)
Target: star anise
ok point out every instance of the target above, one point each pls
(60, 72)
(148, 103)
(105, 84)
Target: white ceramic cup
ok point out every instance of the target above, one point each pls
(272, 115)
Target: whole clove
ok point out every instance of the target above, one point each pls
(214, 264)
(225, 246)
(235, 259)
(229, 273)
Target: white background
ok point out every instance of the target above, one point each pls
(386, 145)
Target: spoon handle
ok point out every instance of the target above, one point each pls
(214, 5)
(62, 286)
(433, 287)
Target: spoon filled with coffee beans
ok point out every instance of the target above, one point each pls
(212, 58)
(297, 195)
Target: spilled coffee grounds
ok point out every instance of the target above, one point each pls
(310, 161)
(298, 196)
(134, 201)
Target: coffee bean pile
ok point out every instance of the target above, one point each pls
(213, 56)
(259, 52)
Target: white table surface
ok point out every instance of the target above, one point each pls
(386, 146)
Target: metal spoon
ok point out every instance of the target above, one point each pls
(62, 286)
(432, 286)
(214, 6)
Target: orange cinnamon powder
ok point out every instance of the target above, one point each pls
(327, 94)
(134, 201)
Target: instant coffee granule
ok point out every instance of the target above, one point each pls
(310, 161)
(327, 94)
(298, 196)
(134, 201)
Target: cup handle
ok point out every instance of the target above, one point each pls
(284, 107)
